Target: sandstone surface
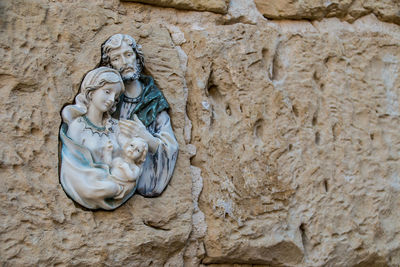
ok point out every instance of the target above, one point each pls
(289, 134)
(297, 116)
(46, 48)
(386, 10)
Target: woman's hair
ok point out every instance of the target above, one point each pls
(92, 81)
(96, 79)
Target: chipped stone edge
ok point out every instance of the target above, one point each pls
(194, 250)
(183, 6)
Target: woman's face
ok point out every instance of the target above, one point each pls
(104, 97)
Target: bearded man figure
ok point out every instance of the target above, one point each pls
(142, 111)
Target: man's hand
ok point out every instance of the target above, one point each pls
(136, 128)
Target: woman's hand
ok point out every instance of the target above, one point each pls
(136, 128)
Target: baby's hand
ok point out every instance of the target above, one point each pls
(109, 146)
(107, 152)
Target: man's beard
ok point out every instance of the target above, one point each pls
(130, 76)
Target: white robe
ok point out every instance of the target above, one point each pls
(84, 175)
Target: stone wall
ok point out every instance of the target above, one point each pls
(288, 125)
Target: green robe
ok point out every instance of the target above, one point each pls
(151, 103)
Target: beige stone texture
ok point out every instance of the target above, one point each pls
(296, 135)
(217, 6)
(386, 10)
(46, 48)
(289, 135)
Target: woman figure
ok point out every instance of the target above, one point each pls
(86, 133)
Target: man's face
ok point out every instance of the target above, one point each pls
(123, 59)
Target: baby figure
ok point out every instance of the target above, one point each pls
(128, 168)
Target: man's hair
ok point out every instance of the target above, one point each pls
(115, 42)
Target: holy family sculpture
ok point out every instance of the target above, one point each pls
(117, 137)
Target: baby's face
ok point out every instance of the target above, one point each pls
(134, 149)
